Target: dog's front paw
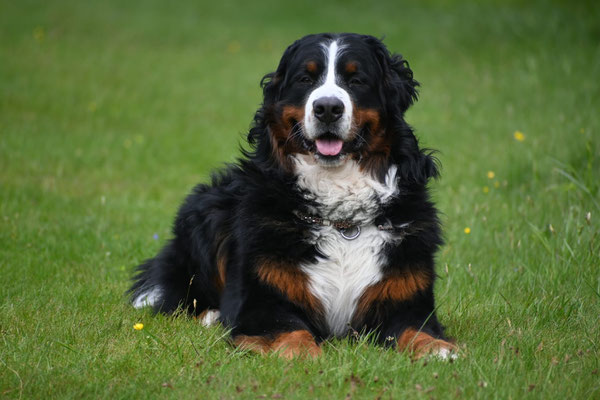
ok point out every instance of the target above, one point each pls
(209, 317)
(421, 344)
(288, 345)
(445, 351)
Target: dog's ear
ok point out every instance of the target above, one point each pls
(399, 92)
(399, 87)
(272, 83)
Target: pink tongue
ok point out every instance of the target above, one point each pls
(329, 147)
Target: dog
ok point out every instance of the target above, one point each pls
(325, 226)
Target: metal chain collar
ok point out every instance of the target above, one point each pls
(347, 229)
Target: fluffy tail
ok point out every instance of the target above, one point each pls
(167, 283)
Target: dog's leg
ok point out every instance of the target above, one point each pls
(273, 315)
(267, 323)
(420, 344)
(288, 345)
(401, 309)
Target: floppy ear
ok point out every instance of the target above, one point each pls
(414, 164)
(271, 85)
(264, 137)
(399, 92)
(401, 85)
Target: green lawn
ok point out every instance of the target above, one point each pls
(111, 112)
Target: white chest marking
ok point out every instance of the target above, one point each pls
(349, 266)
(344, 192)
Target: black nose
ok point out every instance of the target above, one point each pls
(328, 109)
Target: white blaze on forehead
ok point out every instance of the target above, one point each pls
(332, 53)
(329, 88)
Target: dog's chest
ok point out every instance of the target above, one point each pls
(345, 192)
(347, 267)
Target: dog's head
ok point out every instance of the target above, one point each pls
(337, 97)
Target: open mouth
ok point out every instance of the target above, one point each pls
(329, 147)
(326, 145)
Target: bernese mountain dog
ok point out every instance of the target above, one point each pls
(325, 226)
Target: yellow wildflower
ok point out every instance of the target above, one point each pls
(491, 174)
(486, 189)
(138, 327)
(496, 184)
(467, 230)
(39, 33)
(233, 47)
(519, 136)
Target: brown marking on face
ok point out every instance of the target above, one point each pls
(420, 344)
(288, 345)
(290, 281)
(292, 113)
(281, 142)
(351, 67)
(364, 116)
(375, 154)
(400, 287)
(311, 67)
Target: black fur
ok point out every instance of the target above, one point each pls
(246, 214)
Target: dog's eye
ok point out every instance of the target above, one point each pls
(355, 82)
(305, 79)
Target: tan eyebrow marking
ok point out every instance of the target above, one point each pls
(311, 66)
(351, 67)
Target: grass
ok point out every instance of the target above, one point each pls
(111, 112)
